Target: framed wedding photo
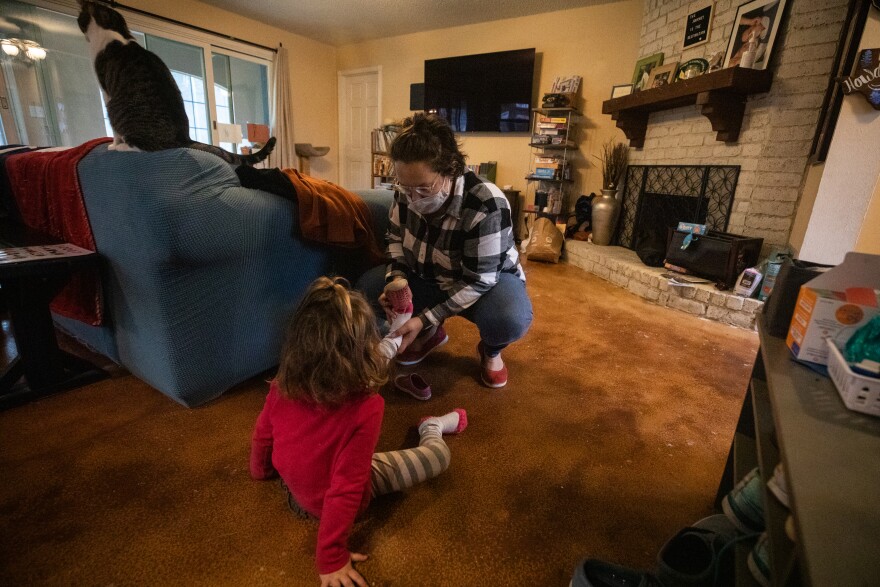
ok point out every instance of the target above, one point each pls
(621, 90)
(758, 17)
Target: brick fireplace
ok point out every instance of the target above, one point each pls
(772, 151)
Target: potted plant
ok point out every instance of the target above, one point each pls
(614, 158)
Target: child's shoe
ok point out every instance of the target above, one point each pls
(759, 561)
(596, 573)
(778, 485)
(399, 295)
(413, 384)
(697, 554)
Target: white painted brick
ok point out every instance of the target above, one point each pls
(638, 288)
(734, 303)
(686, 305)
(652, 294)
(825, 18)
(776, 194)
(768, 223)
(772, 208)
(716, 313)
(751, 305)
(602, 272)
(742, 320)
(619, 279)
(663, 299)
(702, 295)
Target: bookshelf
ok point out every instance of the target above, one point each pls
(381, 171)
(553, 143)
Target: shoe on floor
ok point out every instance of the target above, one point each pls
(759, 561)
(491, 378)
(596, 573)
(413, 357)
(778, 486)
(696, 555)
(744, 505)
(413, 384)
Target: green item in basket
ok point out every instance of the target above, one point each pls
(865, 343)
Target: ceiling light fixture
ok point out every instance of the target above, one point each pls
(15, 47)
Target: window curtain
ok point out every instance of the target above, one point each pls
(281, 122)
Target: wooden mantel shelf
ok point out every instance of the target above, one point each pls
(721, 96)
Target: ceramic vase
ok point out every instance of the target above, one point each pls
(605, 211)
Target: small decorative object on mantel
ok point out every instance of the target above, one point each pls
(621, 90)
(691, 68)
(866, 79)
(758, 17)
(698, 24)
(716, 59)
(643, 70)
(614, 159)
(662, 75)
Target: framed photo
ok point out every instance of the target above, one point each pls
(621, 90)
(642, 73)
(758, 17)
(692, 68)
(698, 24)
(662, 75)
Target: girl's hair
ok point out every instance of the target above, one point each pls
(428, 138)
(331, 348)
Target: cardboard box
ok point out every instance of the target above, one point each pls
(834, 305)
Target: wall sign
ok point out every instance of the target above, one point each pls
(698, 25)
(866, 79)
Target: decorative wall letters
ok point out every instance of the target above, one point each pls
(866, 79)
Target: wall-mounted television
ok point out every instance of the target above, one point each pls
(490, 92)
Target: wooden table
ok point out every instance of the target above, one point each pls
(28, 287)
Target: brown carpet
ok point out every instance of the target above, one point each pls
(610, 436)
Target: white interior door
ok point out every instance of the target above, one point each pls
(359, 113)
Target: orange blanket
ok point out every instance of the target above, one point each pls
(331, 214)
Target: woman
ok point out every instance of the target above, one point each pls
(451, 238)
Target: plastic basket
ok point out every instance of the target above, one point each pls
(859, 392)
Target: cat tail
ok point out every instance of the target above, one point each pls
(233, 158)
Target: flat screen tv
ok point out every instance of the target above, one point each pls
(490, 92)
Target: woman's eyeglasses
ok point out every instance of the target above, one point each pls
(420, 190)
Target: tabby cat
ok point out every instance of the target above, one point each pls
(143, 101)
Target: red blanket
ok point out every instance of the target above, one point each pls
(46, 189)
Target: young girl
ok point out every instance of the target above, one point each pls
(322, 418)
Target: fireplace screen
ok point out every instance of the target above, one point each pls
(658, 197)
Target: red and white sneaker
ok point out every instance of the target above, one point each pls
(412, 357)
(491, 378)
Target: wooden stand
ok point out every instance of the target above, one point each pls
(721, 96)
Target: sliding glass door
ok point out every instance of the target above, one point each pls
(56, 100)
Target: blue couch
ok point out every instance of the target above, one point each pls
(199, 273)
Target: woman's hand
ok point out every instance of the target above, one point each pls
(347, 576)
(409, 331)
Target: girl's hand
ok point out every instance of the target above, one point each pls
(347, 576)
(409, 331)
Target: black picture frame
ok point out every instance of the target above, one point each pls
(762, 17)
(844, 60)
(698, 25)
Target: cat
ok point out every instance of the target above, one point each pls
(143, 101)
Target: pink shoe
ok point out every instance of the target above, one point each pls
(462, 421)
(414, 385)
(413, 357)
(491, 378)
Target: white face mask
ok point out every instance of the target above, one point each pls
(430, 204)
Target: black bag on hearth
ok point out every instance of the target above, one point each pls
(779, 307)
(719, 256)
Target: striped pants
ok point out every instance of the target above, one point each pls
(400, 469)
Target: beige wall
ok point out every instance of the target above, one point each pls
(598, 43)
(869, 237)
(312, 70)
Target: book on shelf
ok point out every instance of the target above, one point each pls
(550, 132)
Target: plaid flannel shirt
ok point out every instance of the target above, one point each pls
(463, 250)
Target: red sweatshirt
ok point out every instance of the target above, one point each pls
(324, 456)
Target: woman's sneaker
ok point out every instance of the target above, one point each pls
(744, 505)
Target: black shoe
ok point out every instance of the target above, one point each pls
(696, 556)
(596, 573)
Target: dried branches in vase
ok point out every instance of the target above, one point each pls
(614, 158)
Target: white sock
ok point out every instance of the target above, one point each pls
(388, 346)
(399, 321)
(446, 424)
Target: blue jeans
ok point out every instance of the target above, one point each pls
(503, 314)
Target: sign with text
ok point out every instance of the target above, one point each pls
(866, 79)
(698, 25)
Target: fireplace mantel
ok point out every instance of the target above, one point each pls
(720, 94)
